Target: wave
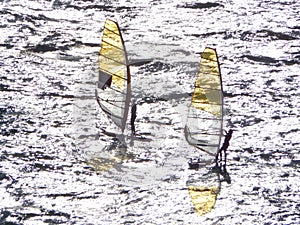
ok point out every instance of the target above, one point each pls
(33, 19)
(296, 61)
(283, 134)
(294, 163)
(261, 59)
(44, 48)
(7, 45)
(271, 61)
(268, 34)
(106, 8)
(49, 44)
(156, 66)
(202, 5)
(5, 87)
(208, 34)
(53, 94)
(60, 4)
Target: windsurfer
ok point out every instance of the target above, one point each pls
(224, 146)
(133, 117)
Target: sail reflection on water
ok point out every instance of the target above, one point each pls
(203, 198)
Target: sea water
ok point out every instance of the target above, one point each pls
(51, 125)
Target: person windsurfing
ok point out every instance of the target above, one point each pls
(133, 117)
(224, 147)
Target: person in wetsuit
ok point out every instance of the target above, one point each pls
(133, 117)
(224, 146)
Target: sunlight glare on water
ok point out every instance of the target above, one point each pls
(52, 128)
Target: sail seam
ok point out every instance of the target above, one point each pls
(213, 89)
(112, 30)
(112, 59)
(205, 103)
(211, 60)
(111, 44)
(212, 74)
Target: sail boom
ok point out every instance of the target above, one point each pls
(204, 133)
(205, 118)
(111, 102)
(202, 149)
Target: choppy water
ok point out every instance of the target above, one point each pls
(49, 119)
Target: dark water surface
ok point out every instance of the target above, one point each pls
(50, 123)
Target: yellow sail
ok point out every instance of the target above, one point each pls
(207, 94)
(204, 123)
(112, 59)
(114, 75)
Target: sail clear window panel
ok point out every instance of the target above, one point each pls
(104, 80)
(114, 107)
(204, 129)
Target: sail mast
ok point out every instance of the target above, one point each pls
(221, 98)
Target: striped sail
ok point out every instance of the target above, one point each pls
(204, 123)
(113, 89)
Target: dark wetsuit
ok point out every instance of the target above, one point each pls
(225, 144)
(133, 117)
